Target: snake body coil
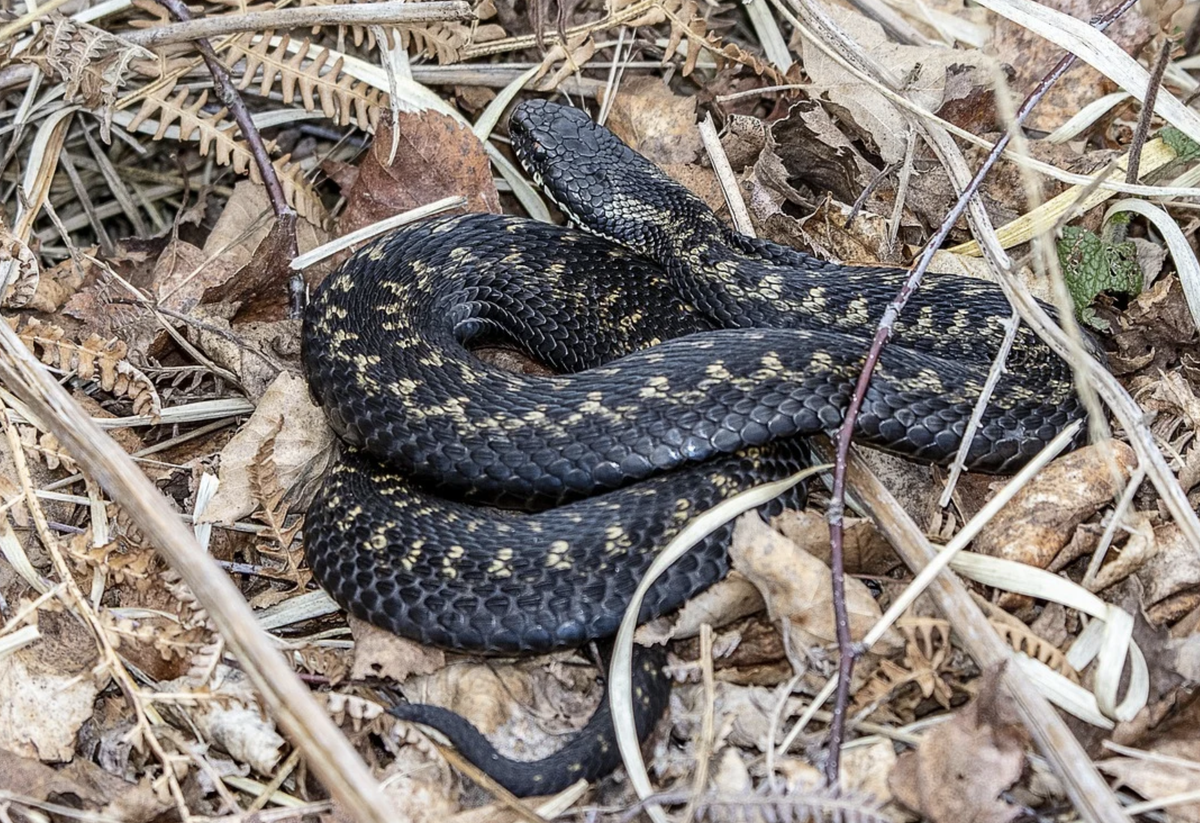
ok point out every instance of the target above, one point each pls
(690, 360)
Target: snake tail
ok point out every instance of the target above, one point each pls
(590, 754)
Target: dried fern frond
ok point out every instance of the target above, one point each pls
(687, 23)
(93, 359)
(1021, 639)
(45, 447)
(448, 40)
(19, 271)
(90, 63)
(265, 486)
(342, 99)
(212, 131)
(215, 133)
(787, 806)
(573, 56)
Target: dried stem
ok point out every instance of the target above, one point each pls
(1132, 172)
(326, 749)
(389, 12)
(230, 98)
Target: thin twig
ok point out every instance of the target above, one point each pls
(846, 648)
(726, 177)
(1143, 127)
(1089, 793)
(985, 396)
(388, 12)
(232, 100)
(1117, 229)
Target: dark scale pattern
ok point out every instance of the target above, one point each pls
(521, 582)
(690, 359)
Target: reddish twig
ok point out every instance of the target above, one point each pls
(230, 98)
(1143, 126)
(837, 503)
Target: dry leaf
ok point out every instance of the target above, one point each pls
(1162, 771)
(253, 249)
(1172, 575)
(436, 157)
(960, 767)
(301, 439)
(812, 152)
(728, 600)
(48, 690)
(57, 285)
(1041, 518)
(37, 781)
(378, 653)
(796, 587)
(865, 550)
(655, 122)
(924, 71)
(19, 271)
(865, 770)
(234, 721)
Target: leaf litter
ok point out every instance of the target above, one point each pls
(147, 272)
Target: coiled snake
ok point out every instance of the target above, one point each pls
(690, 358)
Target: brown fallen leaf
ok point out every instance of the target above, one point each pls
(436, 157)
(865, 770)
(379, 653)
(960, 767)
(655, 121)
(865, 550)
(37, 781)
(255, 352)
(1163, 770)
(814, 153)
(255, 249)
(287, 413)
(864, 241)
(1172, 577)
(1041, 518)
(796, 587)
(234, 720)
(58, 285)
(1156, 334)
(730, 599)
(924, 69)
(20, 269)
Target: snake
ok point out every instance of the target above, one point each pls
(484, 510)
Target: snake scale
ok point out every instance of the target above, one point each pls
(484, 510)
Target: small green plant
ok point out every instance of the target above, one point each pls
(1092, 265)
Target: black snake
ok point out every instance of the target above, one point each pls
(690, 358)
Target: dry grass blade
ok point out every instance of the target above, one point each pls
(289, 701)
(1186, 265)
(620, 682)
(1074, 201)
(1098, 51)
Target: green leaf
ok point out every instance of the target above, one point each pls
(1185, 147)
(1091, 266)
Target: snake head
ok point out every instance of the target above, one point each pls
(575, 160)
(603, 185)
